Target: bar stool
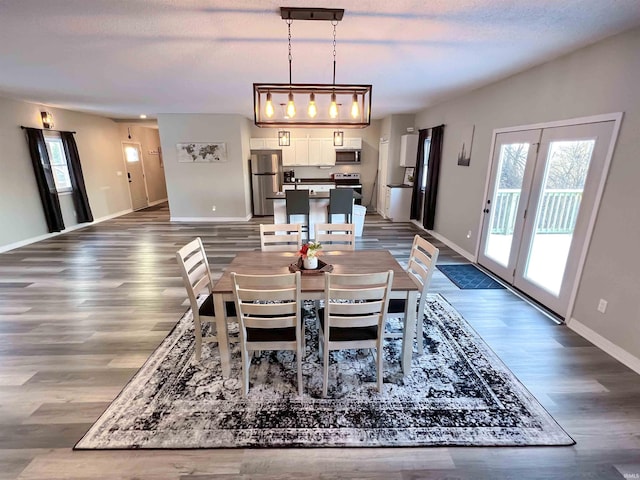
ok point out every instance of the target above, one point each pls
(341, 203)
(297, 203)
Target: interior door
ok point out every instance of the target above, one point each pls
(383, 160)
(137, 187)
(543, 191)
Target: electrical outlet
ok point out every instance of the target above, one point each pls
(602, 305)
(213, 208)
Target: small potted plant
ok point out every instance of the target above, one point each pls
(310, 253)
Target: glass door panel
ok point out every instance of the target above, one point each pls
(555, 221)
(513, 162)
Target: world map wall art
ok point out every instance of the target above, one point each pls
(202, 152)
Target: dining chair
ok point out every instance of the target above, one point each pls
(196, 274)
(297, 203)
(422, 261)
(353, 316)
(341, 203)
(280, 237)
(270, 318)
(336, 236)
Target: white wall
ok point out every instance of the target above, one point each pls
(601, 78)
(21, 213)
(194, 188)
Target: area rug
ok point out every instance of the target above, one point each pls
(458, 393)
(468, 277)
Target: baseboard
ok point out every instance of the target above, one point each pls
(605, 345)
(157, 202)
(469, 256)
(39, 238)
(210, 219)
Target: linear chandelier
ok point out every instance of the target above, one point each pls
(318, 104)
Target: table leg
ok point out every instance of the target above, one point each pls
(409, 330)
(223, 335)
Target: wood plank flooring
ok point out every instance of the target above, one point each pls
(80, 313)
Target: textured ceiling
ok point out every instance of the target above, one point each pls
(121, 58)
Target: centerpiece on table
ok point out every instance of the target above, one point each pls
(310, 253)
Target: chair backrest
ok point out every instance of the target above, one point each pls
(357, 300)
(267, 301)
(336, 236)
(297, 202)
(194, 266)
(422, 261)
(280, 237)
(341, 201)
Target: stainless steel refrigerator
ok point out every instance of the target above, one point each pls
(266, 179)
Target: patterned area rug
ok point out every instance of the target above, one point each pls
(468, 277)
(458, 393)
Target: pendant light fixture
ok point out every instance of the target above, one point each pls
(325, 100)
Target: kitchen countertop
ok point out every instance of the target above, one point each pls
(399, 185)
(313, 181)
(313, 196)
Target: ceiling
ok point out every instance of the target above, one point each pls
(122, 58)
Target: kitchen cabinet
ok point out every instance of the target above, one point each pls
(353, 143)
(408, 150)
(264, 144)
(288, 156)
(312, 151)
(398, 203)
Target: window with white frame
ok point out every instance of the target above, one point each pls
(58, 161)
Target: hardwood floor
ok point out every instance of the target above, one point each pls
(80, 313)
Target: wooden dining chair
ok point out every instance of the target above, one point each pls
(269, 312)
(336, 236)
(196, 274)
(422, 261)
(280, 237)
(353, 316)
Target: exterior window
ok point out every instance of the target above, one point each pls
(58, 161)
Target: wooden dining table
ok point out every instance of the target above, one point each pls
(312, 288)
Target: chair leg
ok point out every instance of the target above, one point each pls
(299, 362)
(198, 334)
(419, 334)
(325, 372)
(379, 367)
(246, 361)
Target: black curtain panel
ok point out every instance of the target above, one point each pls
(80, 199)
(433, 173)
(44, 179)
(417, 174)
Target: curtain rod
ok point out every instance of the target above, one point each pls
(47, 130)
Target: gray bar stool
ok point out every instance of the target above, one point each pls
(341, 203)
(297, 203)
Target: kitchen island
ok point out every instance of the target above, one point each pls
(318, 210)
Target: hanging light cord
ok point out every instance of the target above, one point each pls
(289, 22)
(334, 22)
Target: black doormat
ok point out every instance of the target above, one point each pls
(468, 277)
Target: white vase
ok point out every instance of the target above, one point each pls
(310, 263)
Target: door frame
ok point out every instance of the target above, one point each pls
(144, 174)
(616, 117)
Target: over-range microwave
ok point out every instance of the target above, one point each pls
(348, 156)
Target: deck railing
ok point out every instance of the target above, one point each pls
(558, 212)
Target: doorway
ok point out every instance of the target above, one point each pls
(544, 189)
(132, 152)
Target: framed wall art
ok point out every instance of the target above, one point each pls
(202, 152)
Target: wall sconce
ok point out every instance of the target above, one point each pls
(284, 138)
(338, 138)
(47, 119)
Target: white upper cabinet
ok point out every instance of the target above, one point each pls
(288, 156)
(354, 143)
(408, 150)
(321, 151)
(264, 144)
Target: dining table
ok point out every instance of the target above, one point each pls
(312, 287)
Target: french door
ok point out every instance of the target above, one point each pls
(543, 191)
